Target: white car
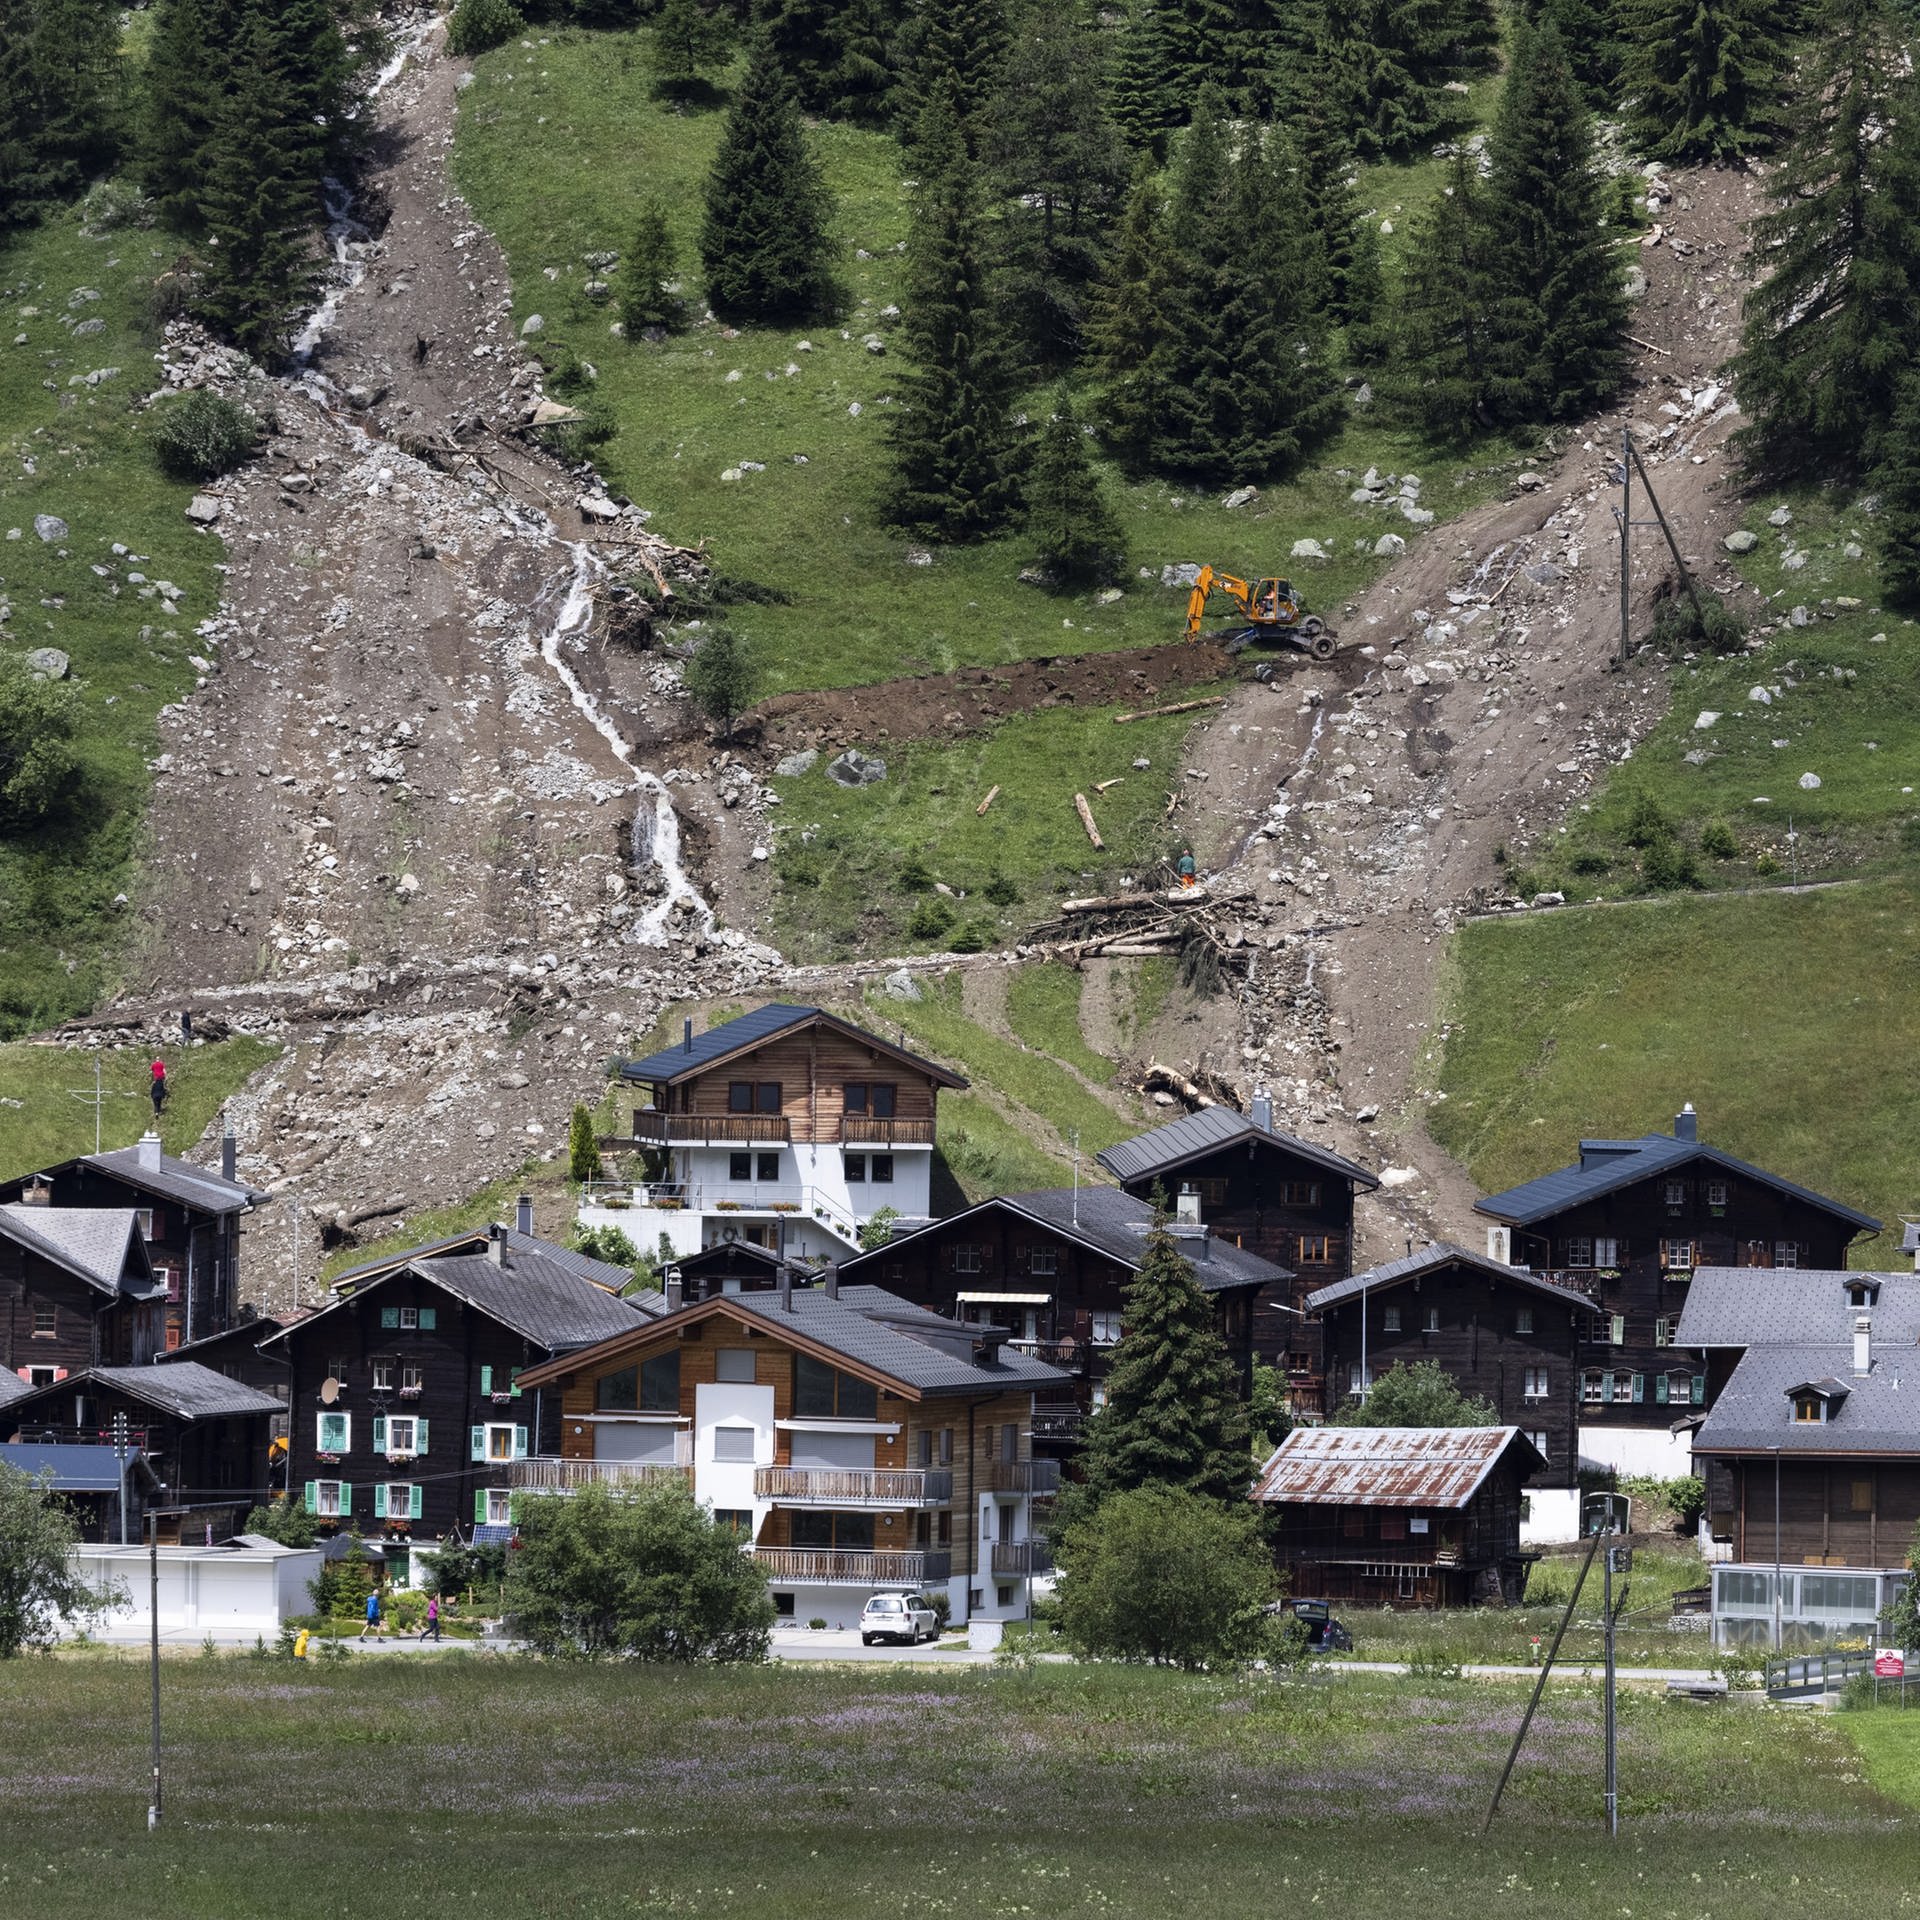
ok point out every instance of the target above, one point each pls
(904, 1618)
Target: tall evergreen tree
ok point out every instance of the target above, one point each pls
(60, 104)
(1144, 93)
(835, 54)
(686, 39)
(1591, 31)
(1897, 481)
(1832, 327)
(318, 130)
(1559, 319)
(1326, 184)
(961, 42)
(1441, 347)
(764, 240)
(1705, 77)
(1365, 333)
(186, 79)
(652, 262)
(955, 473)
(1173, 1416)
(1128, 332)
(1075, 532)
(1382, 65)
(1057, 165)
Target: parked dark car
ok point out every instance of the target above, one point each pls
(1325, 1634)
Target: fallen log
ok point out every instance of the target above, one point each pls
(1103, 785)
(1179, 706)
(1086, 820)
(1122, 902)
(993, 793)
(1157, 1074)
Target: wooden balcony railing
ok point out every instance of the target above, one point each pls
(1022, 1556)
(851, 1568)
(546, 1473)
(854, 1486)
(1023, 1476)
(653, 1128)
(874, 1130)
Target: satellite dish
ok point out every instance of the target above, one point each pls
(329, 1390)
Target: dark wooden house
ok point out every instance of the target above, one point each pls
(204, 1438)
(189, 1218)
(1628, 1226)
(1051, 1269)
(76, 1290)
(1504, 1334)
(1401, 1516)
(405, 1406)
(1275, 1195)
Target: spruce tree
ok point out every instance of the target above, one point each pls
(834, 52)
(686, 39)
(187, 65)
(1382, 65)
(1440, 368)
(954, 459)
(1326, 183)
(1128, 331)
(764, 241)
(1173, 1416)
(1591, 32)
(317, 127)
(1075, 533)
(960, 42)
(1831, 329)
(1897, 481)
(1144, 94)
(1560, 312)
(1705, 77)
(1056, 164)
(60, 103)
(1365, 335)
(652, 262)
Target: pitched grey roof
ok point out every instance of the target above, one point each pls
(1386, 1466)
(92, 1243)
(749, 1030)
(1443, 1253)
(182, 1388)
(1112, 1223)
(177, 1180)
(11, 1386)
(1880, 1413)
(1605, 1166)
(1794, 1306)
(1197, 1134)
(603, 1273)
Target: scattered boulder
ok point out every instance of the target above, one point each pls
(1780, 517)
(532, 324)
(406, 886)
(1416, 515)
(49, 526)
(1182, 575)
(901, 985)
(48, 663)
(596, 506)
(1741, 542)
(1809, 781)
(1311, 550)
(1708, 718)
(856, 769)
(1241, 497)
(797, 763)
(1389, 546)
(203, 509)
(1531, 482)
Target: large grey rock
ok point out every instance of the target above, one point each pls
(856, 769)
(49, 526)
(1780, 517)
(48, 663)
(901, 985)
(1417, 516)
(1389, 546)
(203, 509)
(1309, 550)
(532, 324)
(796, 763)
(1241, 497)
(1741, 542)
(1182, 575)
(1810, 781)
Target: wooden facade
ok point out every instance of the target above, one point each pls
(53, 1323)
(1503, 1336)
(1846, 1511)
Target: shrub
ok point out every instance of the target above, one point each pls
(1903, 1617)
(407, 1612)
(282, 1520)
(202, 435)
(642, 1576)
(878, 1228)
(1717, 841)
(1667, 865)
(114, 203)
(1000, 890)
(341, 1586)
(38, 764)
(930, 919)
(1421, 1395)
(1167, 1578)
(1647, 825)
(1714, 627)
(975, 936)
(38, 1586)
(914, 876)
(723, 678)
(583, 1156)
(478, 26)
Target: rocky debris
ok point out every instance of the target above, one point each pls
(1531, 482)
(203, 509)
(901, 985)
(1185, 574)
(856, 769)
(1780, 517)
(792, 764)
(47, 663)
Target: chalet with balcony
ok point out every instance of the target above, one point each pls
(76, 1290)
(405, 1405)
(203, 1439)
(1810, 1447)
(1401, 1516)
(189, 1218)
(1050, 1272)
(788, 1128)
(1504, 1334)
(853, 1439)
(1271, 1193)
(1628, 1227)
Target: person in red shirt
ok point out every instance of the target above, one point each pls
(159, 1088)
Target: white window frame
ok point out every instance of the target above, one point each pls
(143, 1219)
(1593, 1389)
(404, 1488)
(1523, 1319)
(734, 1459)
(382, 1376)
(51, 1315)
(1580, 1250)
(1786, 1253)
(1716, 1193)
(1044, 1262)
(1389, 1319)
(412, 1422)
(499, 1506)
(1537, 1385)
(1663, 1332)
(409, 1319)
(491, 1427)
(1433, 1321)
(1539, 1440)
(320, 1428)
(321, 1488)
(1677, 1256)
(1106, 1326)
(967, 1257)
(412, 1380)
(1606, 1250)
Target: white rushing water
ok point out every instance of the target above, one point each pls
(656, 827)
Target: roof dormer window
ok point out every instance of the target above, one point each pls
(1863, 1293)
(1809, 1409)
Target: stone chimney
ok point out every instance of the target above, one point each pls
(1262, 1115)
(1686, 1123)
(1862, 1345)
(148, 1151)
(497, 1244)
(784, 1286)
(833, 1279)
(676, 1291)
(229, 1152)
(523, 1215)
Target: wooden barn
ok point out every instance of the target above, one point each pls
(1401, 1516)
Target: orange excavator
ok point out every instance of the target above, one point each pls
(1269, 610)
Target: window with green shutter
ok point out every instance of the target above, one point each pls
(380, 1500)
(479, 1499)
(413, 1505)
(479, 1443)
(513, 1382)
(346, 1500)
(333, 1432)
(313, 1496)
(429, 1319)
(519, 1443)
(1639, 1388)
(419, 1436)
(486, 1379)
(379, 1433)
(1697, 1392)
(389, 1316)
(1660, 1389)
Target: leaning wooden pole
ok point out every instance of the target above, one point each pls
(1673, 546)
(1540, 1685)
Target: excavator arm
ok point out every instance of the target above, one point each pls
(1204, 583)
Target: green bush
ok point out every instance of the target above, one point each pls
(1000, 890)
(1678, 627)
(930, 919)
(202, 435)
(38, 764)
(407, 1612)
(915, 876)
(583, 1156)
(975, 936)
(1647, 825)
(480, 25)
(285, 1521)
(1667, 865)
(1717, 841)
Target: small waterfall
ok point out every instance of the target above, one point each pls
(656, 827)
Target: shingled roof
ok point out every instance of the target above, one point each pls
(95, 1244)
(1878, 1412)
(177, 1180)
(11, 1386)
(603, 1273)
(183, 1389)
(1195, 1135)
(1796, 1306)
(1443, 1253)
(1387, 1466)
(700, 1051)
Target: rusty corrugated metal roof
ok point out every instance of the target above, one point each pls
(1385, 1466)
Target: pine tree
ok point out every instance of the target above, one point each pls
(1440, 345)
(60, 102)
(686, 38)
(954, 459)
(1897, 481)
(1383, 65)
(764, 241)
(1365, 336)
(961, 42)
(187, 67)
(651, 265)
(258, 200)
(1075, 532)
(834, 52)
(1326, 184)
(1173, 1416)
(1832, 328)
(1560, 312)
(1144, 93)
(1705, 77)
(1128, 331)
(317, 128)
(1590, 30)
(1056, 164)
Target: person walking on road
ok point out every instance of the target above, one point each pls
(373, 1614)
(159, 1090)
(431, 1631)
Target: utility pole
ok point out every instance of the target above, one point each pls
(1618, 1560)
(1630, 461)
(120, 1461)
(96, 1097)
(153, 1621)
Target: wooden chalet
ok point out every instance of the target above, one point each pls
(1050, 1270)
(1271, 1193)
(854, 1440)
(1401, 1516)
(76, 1290)
(1629, 1226)
(189, 1219)
(1504, 1334)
